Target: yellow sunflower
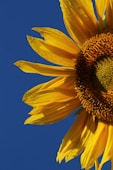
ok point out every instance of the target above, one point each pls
(83, 74)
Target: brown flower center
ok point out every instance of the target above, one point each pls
(94, 76)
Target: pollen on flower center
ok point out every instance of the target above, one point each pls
(102, 74)
(94, 76)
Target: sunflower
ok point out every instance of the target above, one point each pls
(83, 78)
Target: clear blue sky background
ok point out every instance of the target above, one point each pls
(26, 147)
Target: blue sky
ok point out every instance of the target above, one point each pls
(26, 147)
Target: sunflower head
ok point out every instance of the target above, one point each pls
(83, 77)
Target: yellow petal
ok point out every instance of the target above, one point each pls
(46, 96)
(77, 148)
(79, 19)
(77, 137)
(52, 112)
(97, 139)
(101, 7)
(109, 14)
(64, 82)
(108, 153)
(51, 52)
(58, 39)
(72, 137)
(59, 91)
(56, 82)
(47, 70)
